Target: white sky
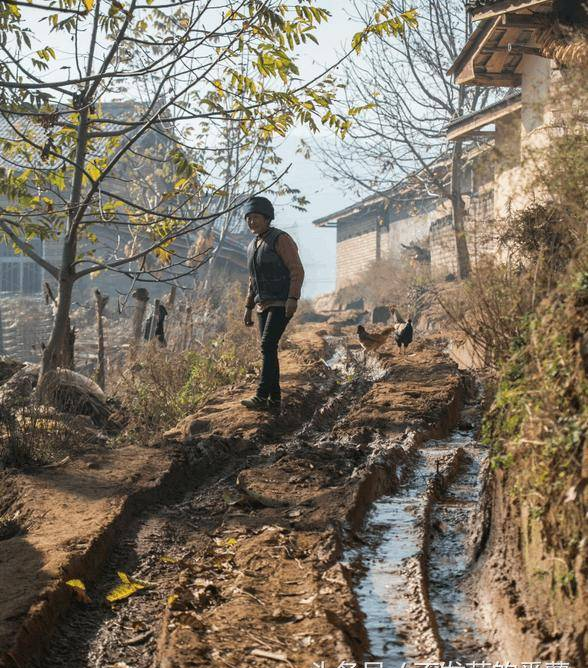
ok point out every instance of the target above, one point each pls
(317, 245)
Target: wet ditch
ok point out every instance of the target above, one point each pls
(417, 552)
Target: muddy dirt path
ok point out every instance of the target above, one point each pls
(268, 561)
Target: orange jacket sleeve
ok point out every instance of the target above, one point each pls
(287, 249)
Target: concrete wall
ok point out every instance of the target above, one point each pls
(520, 141)
(412, 229)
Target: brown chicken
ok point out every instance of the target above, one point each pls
(371, 340)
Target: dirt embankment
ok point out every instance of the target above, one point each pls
(241, 547)
(62, 523)
(536, 575)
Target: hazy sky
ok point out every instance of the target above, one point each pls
(317, 245)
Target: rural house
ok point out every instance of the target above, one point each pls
(412, 222)
(523, 45)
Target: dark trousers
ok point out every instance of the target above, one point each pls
(272, 323)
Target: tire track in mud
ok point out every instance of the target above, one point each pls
(158, 545)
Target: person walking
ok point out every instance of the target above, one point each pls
(275, 281)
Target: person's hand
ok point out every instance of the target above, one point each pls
(248, 317)
(291, 306)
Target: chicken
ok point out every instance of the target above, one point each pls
(403, 331)
(372, 341)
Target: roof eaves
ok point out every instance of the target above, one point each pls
(508, 104)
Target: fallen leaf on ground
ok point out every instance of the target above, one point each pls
(168, 560)
(126, 588)
(80, 590)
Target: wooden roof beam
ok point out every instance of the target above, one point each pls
(514, 49)
(506, 6)
(527, 21)
(513, 79)
(473, 124)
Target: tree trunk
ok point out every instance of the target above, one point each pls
(141, 297)
(458, 212)
(101, 369)
(60, 349)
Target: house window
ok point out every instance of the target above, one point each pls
(31, 278)
(10, 276)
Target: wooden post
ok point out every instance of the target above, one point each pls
(141, 297)
(171, 298)
(188, 329)
(101, 302)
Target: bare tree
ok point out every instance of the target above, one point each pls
(408, 99)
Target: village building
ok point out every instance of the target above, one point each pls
(523, 45)
(411, 222)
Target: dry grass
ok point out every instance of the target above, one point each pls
(389, 281)
(38, 435)
(538, 425)
(159, 386)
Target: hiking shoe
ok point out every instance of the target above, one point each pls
(274, 405)
(255, 403)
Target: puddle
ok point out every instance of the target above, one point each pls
(393, 532)
(351, 362)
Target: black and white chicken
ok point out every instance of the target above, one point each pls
(403, 330)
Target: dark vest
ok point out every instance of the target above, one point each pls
(269, 275)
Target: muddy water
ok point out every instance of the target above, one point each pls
(394, 533)
(452, 554)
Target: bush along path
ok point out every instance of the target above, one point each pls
(261, 555)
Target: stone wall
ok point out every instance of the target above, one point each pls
(443, 249)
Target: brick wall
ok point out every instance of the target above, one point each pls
(357, 248)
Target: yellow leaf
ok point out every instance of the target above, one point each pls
(171, 600)
(169, 560)
(88, 4)
(127, 588)
(93, 171)
(80, 590)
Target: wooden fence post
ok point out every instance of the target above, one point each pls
(154, 320)
(141, 297)
(101, 302)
